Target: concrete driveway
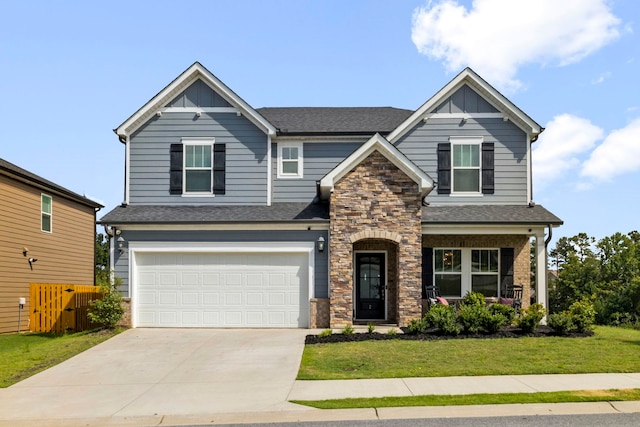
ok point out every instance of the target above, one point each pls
(157, 372)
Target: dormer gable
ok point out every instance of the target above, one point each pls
(469, 95)
(187, 91)
(380, 144)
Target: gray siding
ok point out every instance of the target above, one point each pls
(319, 159)
(420, 145)
(465, 100)
(321, 285)
(246, 158)
(198, 95)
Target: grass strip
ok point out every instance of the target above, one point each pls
(476, 399)
(610, 349)
(23, 355)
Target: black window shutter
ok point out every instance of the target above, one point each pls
(219, 162)
(427, 269)
(175, 169)
(444, 168)
(506, 268)
(487, 168)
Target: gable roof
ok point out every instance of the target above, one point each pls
(16, 172)
(376, 143)
(477, 83)
(297, 121)
(190, 75)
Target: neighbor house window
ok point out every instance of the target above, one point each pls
(466, 168)
(46, 210)
(459, 271)
(198, 170)
(290, 160)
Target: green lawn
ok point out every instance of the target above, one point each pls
(608, 350)
(477, 399)
(23, 355)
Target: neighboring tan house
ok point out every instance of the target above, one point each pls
(313, 217)
(47, 235)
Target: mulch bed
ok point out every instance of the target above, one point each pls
(429, 335)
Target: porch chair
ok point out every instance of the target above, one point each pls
(512, 296)
(432, 295)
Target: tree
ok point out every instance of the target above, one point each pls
(102, 259)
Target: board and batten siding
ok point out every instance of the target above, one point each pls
(321, 285)
(66, 255)
(246, 158)
(319, 159)
(421, 143)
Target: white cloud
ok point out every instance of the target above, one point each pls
(619, 153)
(496, 37)
(601, 78)
(558, 149)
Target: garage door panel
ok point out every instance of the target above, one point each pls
(222, 290)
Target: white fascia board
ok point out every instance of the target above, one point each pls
(390, 152)
(191, 74)
(467, 76)
(459, 229)
(226, 227)
(224, 247)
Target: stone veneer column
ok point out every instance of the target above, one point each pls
(376, 196)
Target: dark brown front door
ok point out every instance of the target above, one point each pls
(370, 286)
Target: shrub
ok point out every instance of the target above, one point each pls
(108, 310)
(417, 326)
(325, 333)
(582, 315)
(348, 330)
(474, 298)
(507, 311)
(392, 331)
(371, 327)
(473, 317)
(561, 323)
(530, 318)
(443, 318)
(493, 322)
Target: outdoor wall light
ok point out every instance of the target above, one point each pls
(121, 243)
(320, 244)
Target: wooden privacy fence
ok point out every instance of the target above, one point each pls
(61, 308)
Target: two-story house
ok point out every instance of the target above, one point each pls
(235, 216)
(47, 235)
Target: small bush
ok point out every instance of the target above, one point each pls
(107, 311)
(561, 323)
(325, 333)
(507, 311)
(348, 330)
(417, 326)
(473, 317)
(443, 318)
(530, 318)
(392, 331)
(582, 315)
(371, 327)
(474, 298)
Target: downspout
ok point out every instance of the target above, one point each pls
(546, 265)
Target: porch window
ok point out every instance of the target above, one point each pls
(459, 271)
(448, 271)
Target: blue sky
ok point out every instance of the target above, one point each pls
(72, 71)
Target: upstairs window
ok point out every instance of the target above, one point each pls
(198, 170)
(466, 168)
(46, 213)
(290, 160)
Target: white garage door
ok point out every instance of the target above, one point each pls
(221, 290)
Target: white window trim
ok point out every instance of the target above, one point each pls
(466, 140)
(42, 212)
(299, 146)
(465, 272)
(195, 141)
